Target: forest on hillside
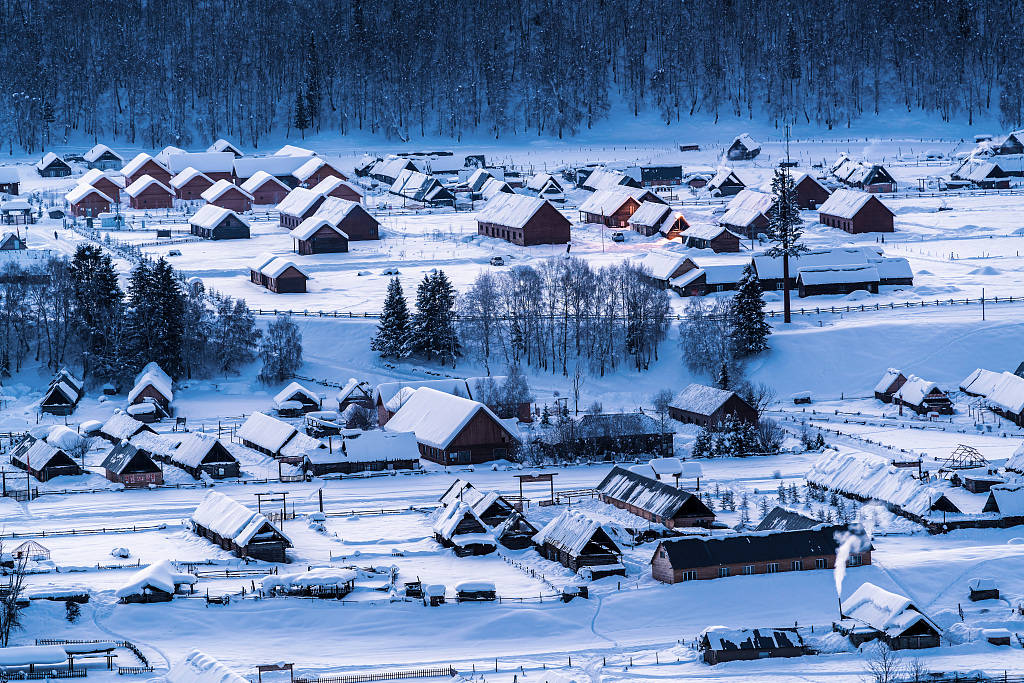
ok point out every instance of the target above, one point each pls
(185, 72)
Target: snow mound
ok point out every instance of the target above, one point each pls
(987, 270)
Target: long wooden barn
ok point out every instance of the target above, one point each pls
(234, 527)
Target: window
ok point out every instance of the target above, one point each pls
(662, 553)
(748, 569)
(723, 572)
(854, 561)
(779, 284)
(821, 563)
(499, 453)
(689, 575)
(797, 565)
(772, 568)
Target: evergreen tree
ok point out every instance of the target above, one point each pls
(300, 116)
(234, 337)
(724, 380)
(703, 445)
(281, 350)
(137, 341)
(313, 77)
(784, 229)
(98, 305)
(749, 328)
(168, 323)
(393, 332)
(433, 326)
(197, 324)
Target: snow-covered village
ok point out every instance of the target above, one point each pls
(321, 369)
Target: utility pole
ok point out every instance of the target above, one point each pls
(983, 304)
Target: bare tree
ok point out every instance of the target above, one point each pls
(10, 595)
(579, 378)
(758, 395)
(885, 666)
(662, 401)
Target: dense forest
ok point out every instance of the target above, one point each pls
(188, 71)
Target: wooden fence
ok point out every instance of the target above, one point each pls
(83, 532)
(133, 670)
(448, 671)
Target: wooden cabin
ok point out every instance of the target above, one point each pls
(862, 175)
(121, 426)
(718, 238)
(152, 387)
(743, 148)
(654, 218)
(873, 613)
(355, 392)
(747, 213)
(522, 220)
(43, 461)
(265, 434)
(856, 212)
(149, 193)
(1006, 398)
(371, 451)
(190, 184)
(337, 187)
(890, 383)
(613, 208)
(295, 392)
(923, 397)
(386, 171)
(129, 465)
(576, 541)
(823, 280)
(986, 175)
(983, 589)
(606, 179)
(10, 180)
(86, 201)
(422, 188)
(318, 236)
(656, 174)
(350, 218)
(143, 165)
(698, 558)
(725, 183)
(10, 241)
(810, 193)
(265, 188)
(52, 166)
(107, 182)
(460, 528)
(228, 196)
(452, 430)
(282, 276)
(216, 223)
(229, 524)
(316, 170)
(653, 500)
(201, 455)
(62, 394)
(720, 644)
(157, 582)
(103, 158)
(709, 406)
(297, 206)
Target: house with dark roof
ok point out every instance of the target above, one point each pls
(605, 435)
(129, 465)
(52, 166)
(708, 406)
(653, 500)
(720, 644)
(63, 394)
(743, 148)
(781, 519)
(43, 461)
(697, 558)
(725, 183)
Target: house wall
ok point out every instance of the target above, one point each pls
(360, 225)
(136, 479)
(323, 241)
(346, 192)
(233, 200)
(733, 406)
(109, 188)
(150, 392)
(90, 206)
(269, 193)
(290, 281)
(810, 195)
(291, 221)
(150, 168)
(153, 197)
(872, 217)
(548, 226)
(662, 570)
(193, 188)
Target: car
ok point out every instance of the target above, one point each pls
(174, 252)
(618, 237)
(497, 261)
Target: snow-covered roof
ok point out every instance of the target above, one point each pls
(745, 141)
(981, 382)
(122, 455)
(217, 190)
(63, 437)
(539, 181)
(844, 203)
(371, 446)
(48, 158)
(746, 207)
(258, 179)
(721, 639)
(705, 231)
(312, 165)
(605, 179)
(136, 188)
(1008, 393)
(608, 201)
(9, 174)
(82, 191)
(280, 166)
(144, 408)
(37, 453)
(230, 519)
(162, 576)
(151, 368)
(294, 151)
(650, 214)
(332, 183)
(437, 418)
(701, 399)
(301, 445)
(1008, 498)
(978, 170)
(310, 226)
(512, 210)
(276, 267)
(453, 515)
(198, 667)
(222, 145)
(890, 376)
(385, 391)
(892, 267)
(99, 150)
(298, 201)
(162, 156)
(914, 390)
(769, 268)
(723, 176)
(417, 186)
(395, 403)
(320, 577)
(493, 187)
(266, 431)
(46, 656)
(187, 175)
(662, 264)
(137, 162)
(570, 532)
(210, 216)
(477, 178)
(121, 425)
(650, 495)
(827, 275)
(207, 162)
(295, 388)
(156, 380)
(336, 209)
(882, 610)
(391, 167)
(194, 448)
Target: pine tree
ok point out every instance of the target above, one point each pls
(167, 325)
(723, 376)
(393, 332)
(281, 350)
(300, 114)
(703, 445)
(98, 304)
(137, 341)
(784, 229)
(433, 326)
(313, 76)
(749, 328)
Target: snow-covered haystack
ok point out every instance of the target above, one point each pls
(198, 667)
(160, 576)
(63, 438)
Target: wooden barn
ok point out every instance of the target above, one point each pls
(743, 148)
(228, 196)
(522, 220)
(265, 434)
(265, 188)
(607, 179)
(201, 455)
(62, 394)
(190, 184)
(297, 206)
(460, 528)
(121, 426)
(576, 541)
(747, 213)
(720, 644)
(43, 461)
(10, 180)
(452, 430)
(86, 201)
(873, 613)
(337, 187)
(923, 397)
(422, 188)
(718, 238)
(149, 193)
(725, 183)
(822, 280)
(890, 383)
(709, 406)
(222, 145)
(52, 166)
(316, 170)
(282, 276)
(143, 165)
(698, 558)
(613, 208)
(296, 393)
(132, 466)
(653, 500)
(153, 386)
(856, 212)
(650, 175)
(107, 182)
(232, 526)
(810, 193)
(371, 451)
(350, 218)
(862, 175)
(318, 236)
(655, 218)
(216, 223)
(103, 158)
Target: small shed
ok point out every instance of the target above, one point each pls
(282, 276)
(369, 451)
(62, 395)
(707, 406)
(326, 583)
(575, 541)
(317, 235)
(355, 392)
(126, 464)
(214, 222)
(810, 193)
(232, 526)
(265, 188)
(1005, 500)
(983, 589)
(296, 392)
(460, 528)
(720, 644)
(891, 382)
(923, 397)
(31, 551)
(422, 188)
(52, 166)
(153, 387)
(158, 582)
(743, 148)
(203, 455)
(718, 238)
(43, 461)
(476, 591)
(227, 195)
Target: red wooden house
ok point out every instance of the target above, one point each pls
(282, 276)
(332, 186)
(126, 464)
(143, 165)
(265, 188)
(856, 212)
(190, 184)
(350, 218)
(149, 193)
(228, 196)
(522, 220)
(613, 208)
(297, 206)
(319, 236)
(86, 200)
(107, 182)
(315, 171)
(810, 193)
